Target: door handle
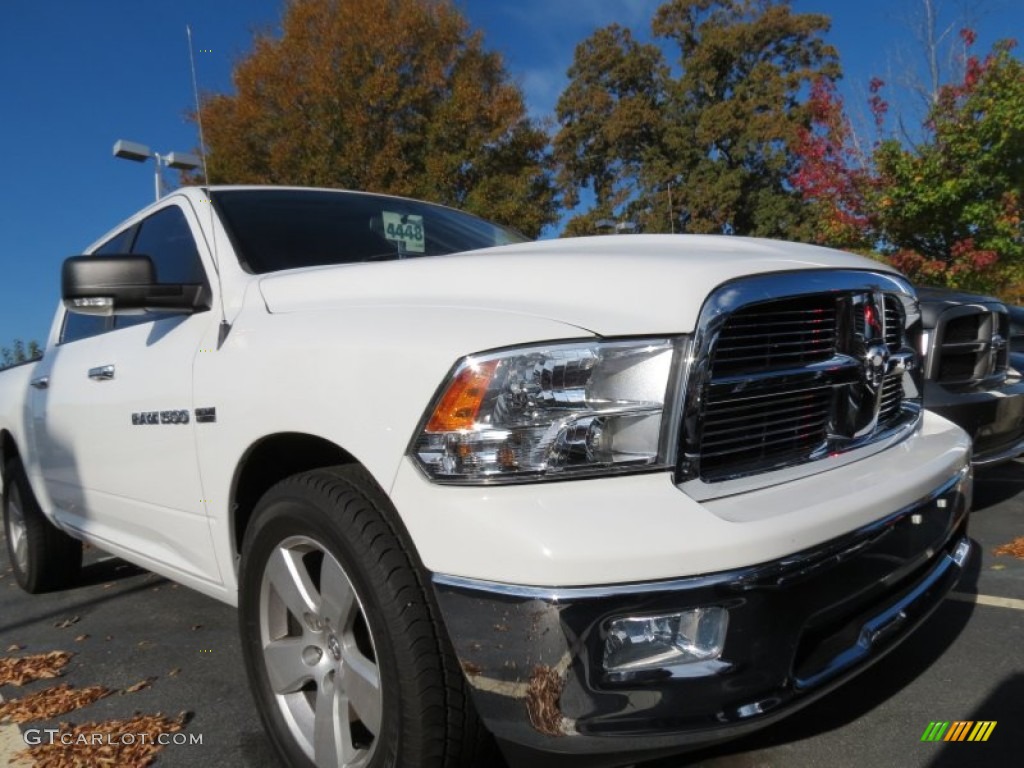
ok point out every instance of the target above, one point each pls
(42, 382)
(101, 373)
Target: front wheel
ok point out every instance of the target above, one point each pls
(43, 557)
(340, 637)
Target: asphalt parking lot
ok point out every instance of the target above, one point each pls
(126, 626)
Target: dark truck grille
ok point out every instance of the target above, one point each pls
(765, 337)
(970, 345)
(790, 380)
(766, 428)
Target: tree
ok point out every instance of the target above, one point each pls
(17, 353)
(936, 56)
(946, 210)
(834, 173)
(612, 123)
(719, 135)
(951, 209)
(393, 96)
(737, 109)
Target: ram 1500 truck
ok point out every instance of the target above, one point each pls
(587, 500)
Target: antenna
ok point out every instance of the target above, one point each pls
(225, 326)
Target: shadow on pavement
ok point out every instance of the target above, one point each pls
(107, 570)
(995, 485)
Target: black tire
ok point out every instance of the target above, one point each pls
(311, 526)
(43, 557)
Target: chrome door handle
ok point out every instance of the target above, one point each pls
(102, 373)
(41, 382)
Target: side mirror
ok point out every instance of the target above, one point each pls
(115, 285)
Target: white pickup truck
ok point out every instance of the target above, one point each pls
(587, 500)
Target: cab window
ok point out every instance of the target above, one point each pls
(167, 239)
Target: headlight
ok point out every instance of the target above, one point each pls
(549, 411)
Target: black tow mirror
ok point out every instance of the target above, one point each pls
(114, 285)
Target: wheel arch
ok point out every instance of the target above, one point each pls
(270, 460)
(8, 451)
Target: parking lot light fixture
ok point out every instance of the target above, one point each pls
(139, 153)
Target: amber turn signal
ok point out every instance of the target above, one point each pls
(460, 404)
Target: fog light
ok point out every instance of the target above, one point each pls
(650, 642)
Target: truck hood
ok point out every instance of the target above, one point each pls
(612, 285)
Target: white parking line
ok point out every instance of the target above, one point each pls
(997, 602)
(10, 741)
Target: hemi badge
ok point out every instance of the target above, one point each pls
(206, 415)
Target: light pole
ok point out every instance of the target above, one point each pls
(618, 227)
(140, 153)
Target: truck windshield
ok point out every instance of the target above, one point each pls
(275, 229)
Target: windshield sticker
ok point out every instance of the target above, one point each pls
(406, 230)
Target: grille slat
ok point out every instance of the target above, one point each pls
(893, 323)
(767, 436)
(744, 413)
(719, 435)
(966, 345)
(773, 359)
(769, 336)
(819, 318)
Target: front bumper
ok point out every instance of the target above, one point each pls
(798, 626)
(994, 418)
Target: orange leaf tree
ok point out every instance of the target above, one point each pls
(394, 96)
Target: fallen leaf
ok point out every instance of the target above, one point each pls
(81, 638)
(42, 666)
(75, 746)
(139, 685)
(174, 672)
(1015, 548)
(998, 567)
(68, 622)
(50, 702)
(14, 647)
(145, 644)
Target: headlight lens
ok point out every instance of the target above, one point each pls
(549, 411)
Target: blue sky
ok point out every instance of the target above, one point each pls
(79, 74)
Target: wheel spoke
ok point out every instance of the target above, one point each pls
(285, 666)
(332, 733)
(361, 682)
(21, 550)
(16, 530)
(337, 601)
(290, 580)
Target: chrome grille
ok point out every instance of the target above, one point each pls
(749, 431)
(893, 323)
(892, 396)
(970, 345)
(776, 335)
(784, 381)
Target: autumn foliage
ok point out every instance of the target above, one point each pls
(730, 122)
(394, 96)
(833, 174)
(946, 211)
